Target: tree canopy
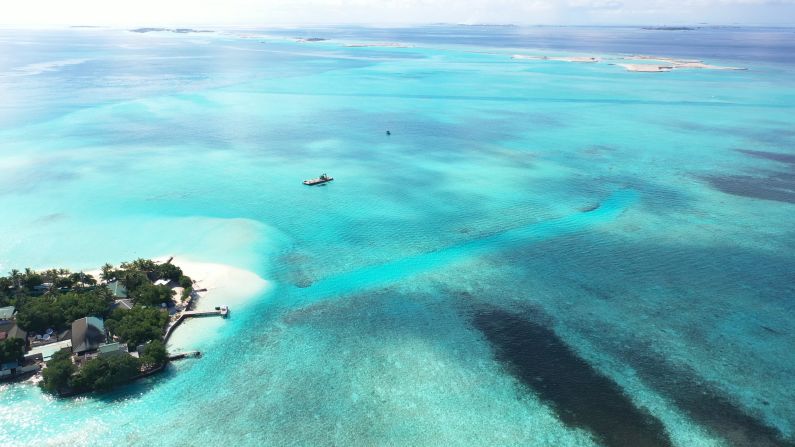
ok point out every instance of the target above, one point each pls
(104, 373)
(12, 350)
(148, 294)
(57, 376)
(155, 353)
(137, 325)
(57, 311)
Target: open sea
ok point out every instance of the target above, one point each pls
(542, 253)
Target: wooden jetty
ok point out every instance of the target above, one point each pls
(184, 355)
(222, 311)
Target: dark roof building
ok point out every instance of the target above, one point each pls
(87, 334)
(9, 329)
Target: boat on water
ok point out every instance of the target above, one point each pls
(317, 181)
(223, 310)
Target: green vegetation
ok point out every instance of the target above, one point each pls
(104, 373)
(55, 298)
(137, 277)
(155, 354)
(12, 350)
(137, 325)
(29, 282)
(58, 310)
(98, 374)
(148, 294)
(57, 376)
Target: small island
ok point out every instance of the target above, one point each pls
(79, 334)
(669, 28)
(170, 30)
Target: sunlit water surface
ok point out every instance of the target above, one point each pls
(541, 254)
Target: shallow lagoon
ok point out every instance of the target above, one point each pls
(633, 227)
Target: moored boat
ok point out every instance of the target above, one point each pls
(317, 181)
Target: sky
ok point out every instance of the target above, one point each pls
(386, 12)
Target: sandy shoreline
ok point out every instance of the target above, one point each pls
(224, 284)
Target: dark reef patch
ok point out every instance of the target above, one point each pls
(775, 156)
(765, 184)
(591, 207)
(579, 394)
(778, 187)
(707, 406)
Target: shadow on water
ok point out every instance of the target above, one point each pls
(765, 184)
(580, 395)
(706, 405)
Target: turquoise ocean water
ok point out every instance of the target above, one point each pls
(541, 254)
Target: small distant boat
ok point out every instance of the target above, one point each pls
(317, 181)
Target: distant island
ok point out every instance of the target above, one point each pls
(83, 334)
(670, 28)
(170, 30)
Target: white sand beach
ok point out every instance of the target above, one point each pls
(647, 68)
(670, 64)
(224, 284)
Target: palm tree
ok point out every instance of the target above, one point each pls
(76, 279)
(16, 277)
(88, 279)
(107, 272)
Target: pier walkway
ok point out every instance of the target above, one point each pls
(184, 355)
(222, 312)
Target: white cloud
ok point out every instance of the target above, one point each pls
(265, 12)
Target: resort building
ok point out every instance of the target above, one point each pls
(117, 289)
(7, 313)
(9, 329)
(87, 334)
(47, 351)
(43, 287)
(112, 349)
(124, 303)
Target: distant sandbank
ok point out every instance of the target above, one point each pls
(379, 44)
(669, 64)
(636, 63)
(581, 59)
